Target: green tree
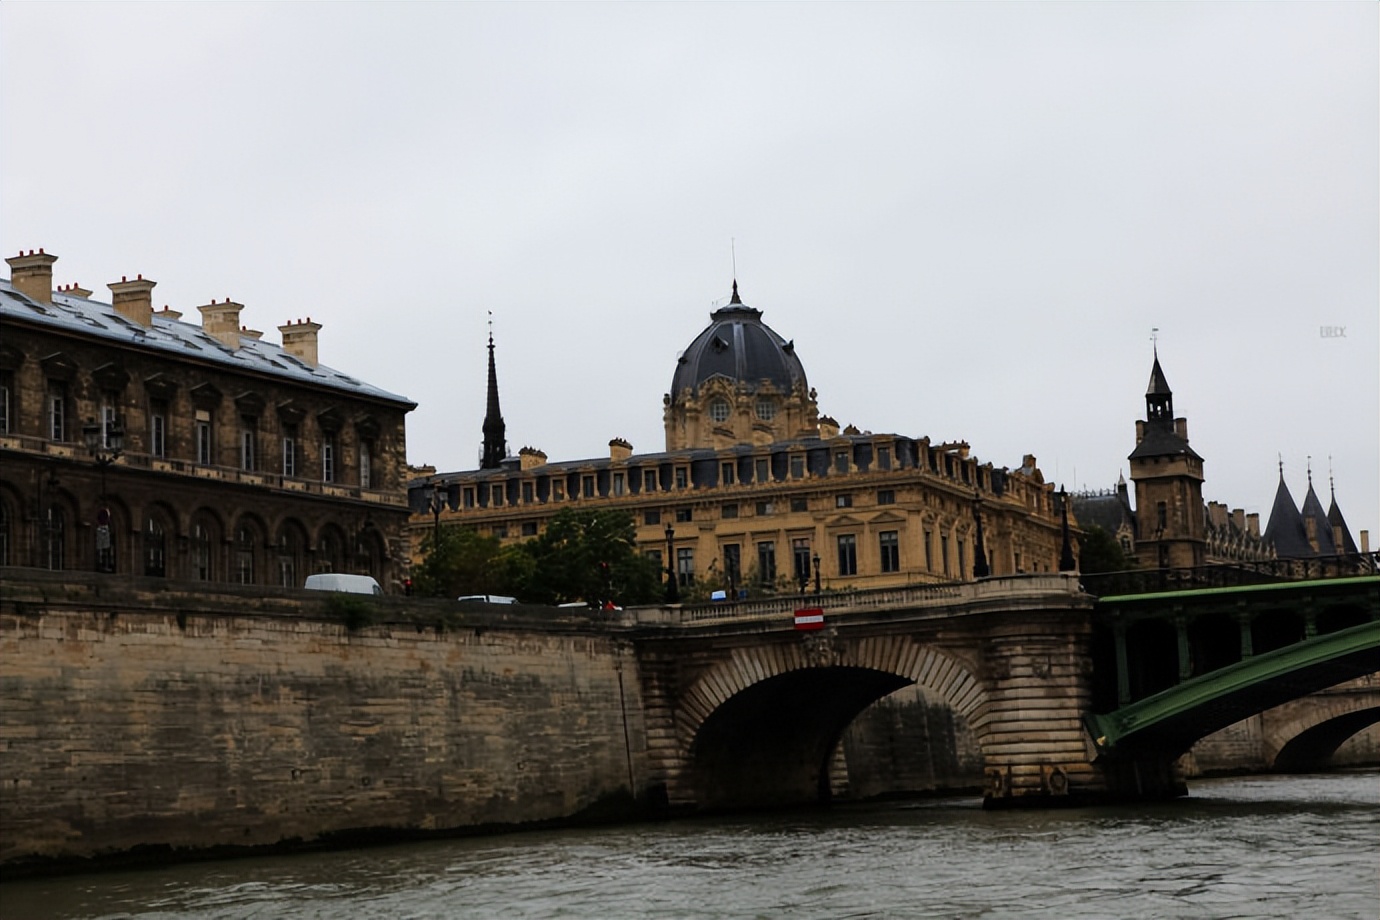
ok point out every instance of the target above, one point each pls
(591, 556)
(462, 561)
(1098, 551)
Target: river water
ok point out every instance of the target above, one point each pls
(1278, 847)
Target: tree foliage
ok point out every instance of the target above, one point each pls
(462, 561)
(1099, 551)
(591, 556)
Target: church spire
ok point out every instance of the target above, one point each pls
(1159, 399)
(495, 445)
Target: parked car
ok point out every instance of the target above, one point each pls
(488, 598)
(337, 581)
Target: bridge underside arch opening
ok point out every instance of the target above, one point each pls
(1311, 750)
(772, 744)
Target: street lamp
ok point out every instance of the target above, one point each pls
(816, 562)
(980, 566)
(105, 442)
(802, 575)
(672, 591)
(435, 502)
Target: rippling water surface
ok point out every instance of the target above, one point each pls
(1279, 847)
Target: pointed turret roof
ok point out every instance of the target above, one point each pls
(1322, 528)
(1159, 386)
(1335, 519)
(495, 442)
(1285, 529)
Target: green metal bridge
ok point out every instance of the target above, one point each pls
(1189, 663)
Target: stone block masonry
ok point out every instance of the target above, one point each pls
(137, 715)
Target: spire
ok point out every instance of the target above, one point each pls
(495, 445)
(1159, 399)
(735, 298)
(1341, 536)
(1285, 528)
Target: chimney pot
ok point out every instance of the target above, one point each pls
(133, 299)
(32, 275)
(222, 321)
(300, 340)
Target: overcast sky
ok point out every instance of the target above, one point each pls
(968, 217)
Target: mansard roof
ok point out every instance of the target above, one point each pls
(70, 313)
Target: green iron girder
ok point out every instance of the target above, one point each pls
(1364, 589)
(1175, 718)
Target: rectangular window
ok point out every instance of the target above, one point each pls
(366, 465)
(248, 437)
(496, 493)
(618, 484)
(762, 470)
(328, 460)
(765, 508)
(886, 497)
(800, 557)
(529, 528)
(1161, 514)
(733, 563)
(929, 551)
(682, 477)
(558, 490)
(5, 387)
(797, 466)
(766, 562)
(729, 511)
(651, 517)
(944, 552)
(203, 440)
(891, 550)
(843, 501)
(467, 497)
(587, 486)
(800, 504)
(108, 403)
(500, 531)
(840, 461)
(655, 556)
(158, 428)
(884, 458)
(682, 515)
(649, 480)
(290, 450)
(528, 493)
(962, 559)
(57, 411)
(848, 554)
(726, 474)
(685, 566)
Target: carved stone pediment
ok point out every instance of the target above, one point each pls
(250, 403)
(10, 357)
(160, 386)
(205, 396)
(290, 413)
(330, 421)
(112, 378)
(58, 366)
(367, 426)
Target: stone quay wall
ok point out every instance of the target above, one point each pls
(135, 713)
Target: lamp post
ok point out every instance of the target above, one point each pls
(435, 502)
(672, 591)
(1066, 560)
(803, 576)
(980, 566)
(816, 562)
(105, 442)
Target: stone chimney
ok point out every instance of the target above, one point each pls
(133, 299)
(1365, 541)
(1238, 519)
(828, 428)
(74, 290)
(168, 313)
(32, 275)
(1253, 524)
(529, 458)
(221, 321)
(619, 449)
(299, 340)
(1181, 427)
(247, 333)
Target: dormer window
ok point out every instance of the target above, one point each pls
(719, 410)
(766, 410)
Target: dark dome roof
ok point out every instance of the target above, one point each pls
(739, 346)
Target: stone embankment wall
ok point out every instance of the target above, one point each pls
(135, 714)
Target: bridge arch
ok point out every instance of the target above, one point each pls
(761, 726)
(1307, 741)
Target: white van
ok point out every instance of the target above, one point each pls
(488, 598)
(337, 581)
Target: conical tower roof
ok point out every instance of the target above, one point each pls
(1313, 511)
(1335, 519)
(1285, 529)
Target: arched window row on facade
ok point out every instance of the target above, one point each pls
(205, 549)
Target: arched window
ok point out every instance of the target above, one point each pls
(244, 555)
(290, 546)
(54, 538)
(4, 533)
(105, 542)
(155, 549)
(201, 553)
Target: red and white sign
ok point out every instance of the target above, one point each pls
(809, 618)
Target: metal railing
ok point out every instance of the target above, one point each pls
(1230, 575)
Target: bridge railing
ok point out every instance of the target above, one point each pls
(908, 597)
(1230, 575)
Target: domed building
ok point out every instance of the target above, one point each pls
(739, 382)
(756, 491)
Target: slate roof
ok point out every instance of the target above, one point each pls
(1161, 442)
(1159, 386)
(1335, 519)
(1285, 529)
(1313, 511)
(737, 345)
(179, 340)
(1107, 510)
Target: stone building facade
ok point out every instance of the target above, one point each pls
(755, 487)
(228, 458)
